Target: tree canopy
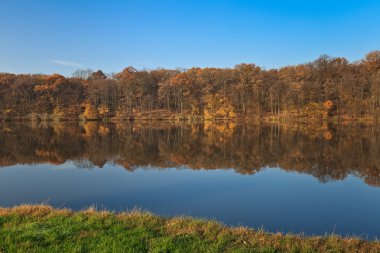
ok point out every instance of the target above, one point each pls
(327, 87)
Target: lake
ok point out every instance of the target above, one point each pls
(311, 179)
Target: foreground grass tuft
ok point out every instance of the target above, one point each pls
(41, 228)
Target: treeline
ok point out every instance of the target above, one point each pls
(327, 151)
(325, 88)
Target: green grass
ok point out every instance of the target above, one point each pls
(42, 228)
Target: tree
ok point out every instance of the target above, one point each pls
(83, 74)
(248, 87)
(127, 86)
(102, 93)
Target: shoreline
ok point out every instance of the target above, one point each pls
(202, 120)
(35, 228)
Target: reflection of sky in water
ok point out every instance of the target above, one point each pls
(272, 198)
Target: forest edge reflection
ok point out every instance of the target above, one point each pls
(326, 151)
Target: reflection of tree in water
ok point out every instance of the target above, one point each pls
(328, 152)
(84, 164)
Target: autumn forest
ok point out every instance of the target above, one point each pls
(327, 88)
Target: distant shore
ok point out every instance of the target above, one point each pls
(162, 115)
(35, 228)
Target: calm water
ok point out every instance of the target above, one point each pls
(288, 178)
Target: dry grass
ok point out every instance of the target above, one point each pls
(35, 228)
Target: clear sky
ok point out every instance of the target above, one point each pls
(60, 36)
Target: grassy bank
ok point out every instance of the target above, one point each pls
(45, 229)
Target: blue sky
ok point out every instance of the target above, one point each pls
(60, 36)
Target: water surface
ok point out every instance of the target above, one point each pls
(288, 178)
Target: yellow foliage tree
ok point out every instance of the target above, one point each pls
(217, 106)
(90, 111)
(103, 110)
(58, 113)
(328, 107)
